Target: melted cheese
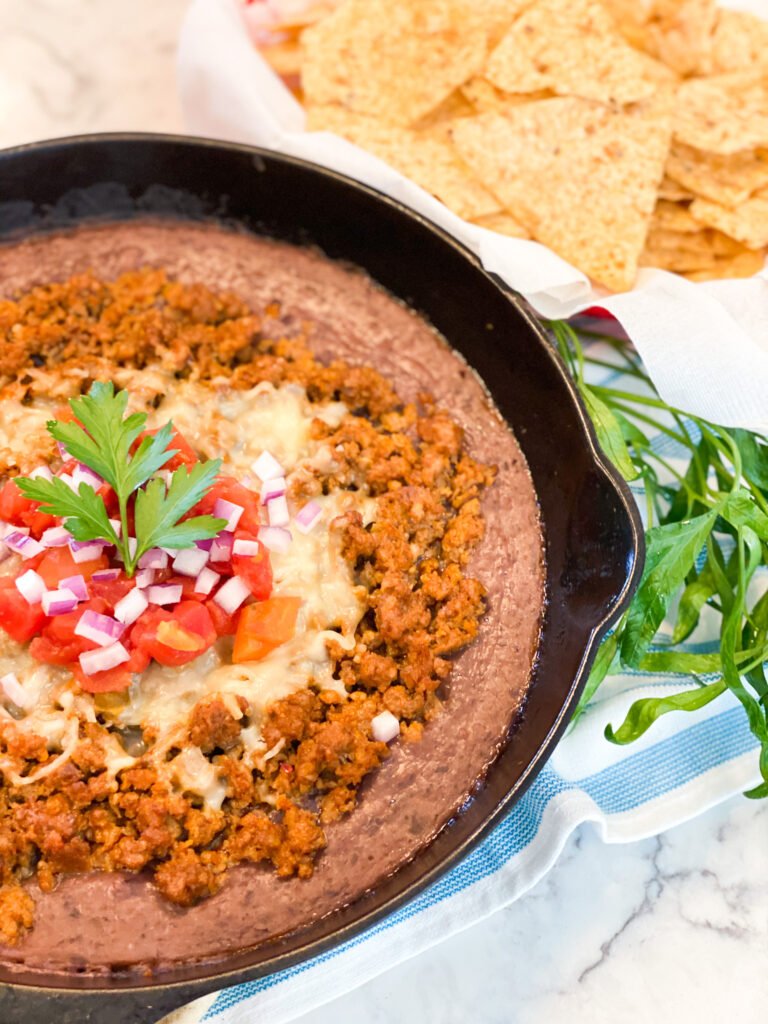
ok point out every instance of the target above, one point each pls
(236, 427)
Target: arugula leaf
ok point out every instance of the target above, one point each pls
(101, 437)
(609, 433)
(85, 513)
(644, 713)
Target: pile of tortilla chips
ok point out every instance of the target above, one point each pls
(620, 133)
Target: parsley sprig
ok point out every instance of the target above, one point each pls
(101, 438)
(707, 536)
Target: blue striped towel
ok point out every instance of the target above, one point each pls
(685, 764)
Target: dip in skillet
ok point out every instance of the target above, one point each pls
(187, 711)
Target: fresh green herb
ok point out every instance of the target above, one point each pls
(707, 535)
(101, 438)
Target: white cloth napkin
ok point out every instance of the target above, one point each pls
(705, 345)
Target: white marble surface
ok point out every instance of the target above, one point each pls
(669, 929)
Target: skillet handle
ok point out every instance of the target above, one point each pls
(24, 1005)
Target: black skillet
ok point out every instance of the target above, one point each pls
(594, 542)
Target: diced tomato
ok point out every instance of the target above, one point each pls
(58, 563)
(254, 570)
(224, 623)
(263, 626)
(18, 618)
(174, 637)
(113, 679)
(185, 453)
(21, 511)
(58, 644)
(229, 489)
(111, 591)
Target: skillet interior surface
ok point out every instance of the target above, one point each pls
(593, 539)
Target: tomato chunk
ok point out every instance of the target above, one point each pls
(20, 620)
(58, 563)
(254, 570)
(58, 644)
(264, 626)
(224, 623)
(174, 637)
(229, 489)
(21, 511)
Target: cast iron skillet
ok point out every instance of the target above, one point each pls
(594, 544)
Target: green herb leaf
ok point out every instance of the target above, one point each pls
(644, 713)
(85, 514)
(157, 511)
(609, 433)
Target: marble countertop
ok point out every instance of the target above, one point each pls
(673, 928)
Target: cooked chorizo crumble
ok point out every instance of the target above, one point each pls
(233, 777)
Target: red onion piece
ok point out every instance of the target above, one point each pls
(221, 549)
(56, 537)
(206, 581)
(155, 558)
(117, 526)
(15, 691)
(78, 545)
(31, 586)
(5, 551)
(84, 475)
(130, 607)
(77, 585)
(103, 659)
(145, 577)
(275, 538)
(272, 489)
(164, 593)
(58, 602)
(266, 467)
(23, 545)
(41, 473)
(204, 545)
(277, 510)
(6, 528)
(228, 510)
(245, 547)
(306, 519)
(104, 575)
(102, 629)
(385, 727)
(231, 595)
(88, 552)
(190, 561)
(63, 452)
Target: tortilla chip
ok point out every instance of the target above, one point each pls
(631, 18)
(504, 223)
(739, 41)
(724, 113)
(425, 157)
(746, 265)
(671, 190)
(705, 242)
(484, 96)
(747, 223)
(396, 61)
(573, 48)
(455, 105)
(673, 217)
(581, 177)
(727, 180)
(283, 57)
(682, 36)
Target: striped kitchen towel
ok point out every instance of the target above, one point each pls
(683, 765)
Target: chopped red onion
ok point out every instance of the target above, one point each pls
(155, 558)
(69, 480)
(23, 545)
(145, 577)
(190, 561)
(166, 476)
(132, 545)
(164, 593)
(77, 545)
(87, 552)
(275, 538)
(102, 629)
(56, 537)
(77, 585)
(58, 602)
(104, 575)
(130, 607)
(63, 452)
(204, 545)
(31, 586)
(228, 510)
(6, 528)
(117, 526)
(41, 473)
(306, 519)
(84, 475)
(103, 659)
(206, 581)
(277, 510)
(231, 595)
(5, 551)
(14, 691)
(266, 467)
(221, 549)
(272, 489)
(245, 547)
(385, 727)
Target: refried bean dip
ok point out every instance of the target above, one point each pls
(234, 790)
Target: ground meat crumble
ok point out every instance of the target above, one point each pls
(421, 608)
